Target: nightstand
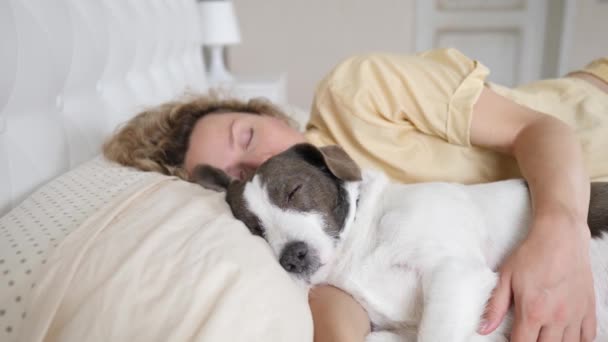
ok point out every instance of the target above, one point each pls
(272, 87)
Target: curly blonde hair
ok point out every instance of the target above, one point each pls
(157, 139)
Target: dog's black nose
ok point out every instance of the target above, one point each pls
(295, 257)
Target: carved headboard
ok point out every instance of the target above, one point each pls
(71, 70)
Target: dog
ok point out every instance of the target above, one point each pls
(420, 258)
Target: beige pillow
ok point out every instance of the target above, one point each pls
(32, 230)
(165, 261)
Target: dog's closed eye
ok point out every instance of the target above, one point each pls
(293, 192)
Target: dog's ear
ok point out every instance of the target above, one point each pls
(210, 177)
(334, 158)
(340, 163)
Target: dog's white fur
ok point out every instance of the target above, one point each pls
(420, 258)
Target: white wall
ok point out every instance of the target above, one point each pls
(590, 33)
(306, 38)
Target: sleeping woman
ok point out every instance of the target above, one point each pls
(425, 117)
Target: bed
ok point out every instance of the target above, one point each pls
(93, 251)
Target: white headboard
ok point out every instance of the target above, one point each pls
(71, 70)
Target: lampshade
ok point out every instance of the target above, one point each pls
(218, 22)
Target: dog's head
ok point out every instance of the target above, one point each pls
(297, 200)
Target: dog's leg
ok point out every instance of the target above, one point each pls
(455, 295)
(388, 336)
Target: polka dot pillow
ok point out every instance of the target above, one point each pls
(30, 231)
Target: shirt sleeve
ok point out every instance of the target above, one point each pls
(433, 91)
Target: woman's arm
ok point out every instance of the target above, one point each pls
(548, 275)
(337, 317)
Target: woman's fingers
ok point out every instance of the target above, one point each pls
(524, 330)
(498, 305)
(551, 334)
(589, 328)
(572, 333)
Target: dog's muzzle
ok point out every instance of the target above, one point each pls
(297, 258)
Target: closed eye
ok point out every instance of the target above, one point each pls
(248, 138)
(293, 192)
(245, 137)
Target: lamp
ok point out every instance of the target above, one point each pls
(220, 28)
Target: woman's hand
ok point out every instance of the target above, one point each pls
(549, 278)
(337, 316)
(548, 275)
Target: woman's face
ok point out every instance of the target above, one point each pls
(238, 142)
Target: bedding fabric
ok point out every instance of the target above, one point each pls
(164, 261)
(32, 230)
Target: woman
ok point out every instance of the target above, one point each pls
(426, 117)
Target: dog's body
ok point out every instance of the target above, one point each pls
(420, 258)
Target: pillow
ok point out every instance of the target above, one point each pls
(298, 114)
(148, 258)
(32, 230)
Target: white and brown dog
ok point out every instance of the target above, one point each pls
(420, 258)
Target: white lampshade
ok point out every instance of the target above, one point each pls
(218, 23)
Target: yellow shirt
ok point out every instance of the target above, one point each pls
(410, 115)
